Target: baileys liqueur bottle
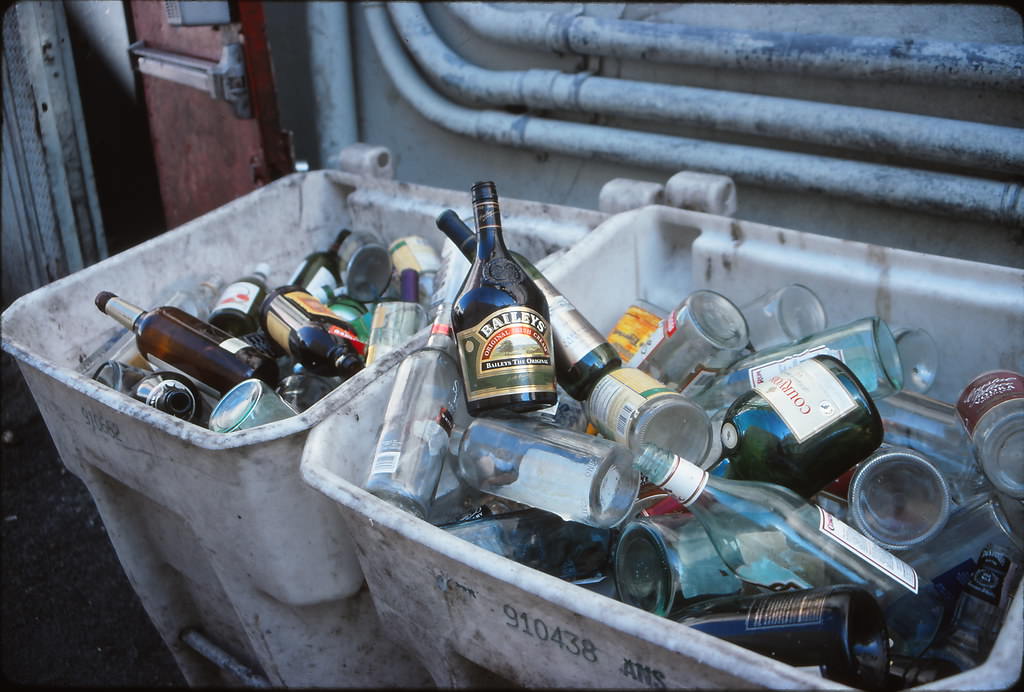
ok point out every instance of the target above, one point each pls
(582, 356)
(501, 323)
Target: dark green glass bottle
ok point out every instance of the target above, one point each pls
(582, 355)
(501, 323)
(321, 269)
(801, 429)
(238, 308)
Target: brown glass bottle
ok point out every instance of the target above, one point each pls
(168, 335)
(501, 322)
(313, 336)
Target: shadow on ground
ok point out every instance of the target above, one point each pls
(69, 616)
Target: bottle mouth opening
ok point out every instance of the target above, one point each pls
(888, 355)
(179, 403)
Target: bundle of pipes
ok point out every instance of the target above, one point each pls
(928, 138)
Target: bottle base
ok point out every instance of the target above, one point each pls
(516, 403)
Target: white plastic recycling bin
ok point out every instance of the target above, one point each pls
(218, 532)
(464, 609)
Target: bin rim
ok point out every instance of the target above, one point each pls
(639, 623)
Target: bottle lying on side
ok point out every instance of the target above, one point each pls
(773, 539)
(168, 336)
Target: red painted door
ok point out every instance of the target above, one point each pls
(205, 155)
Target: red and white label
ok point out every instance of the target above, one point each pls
(239, 296)
(862, 546)
(670, 324)
(987, 391)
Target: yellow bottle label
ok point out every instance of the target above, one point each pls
(632, 329)
(414, 252)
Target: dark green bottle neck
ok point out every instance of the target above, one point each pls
(489, 240)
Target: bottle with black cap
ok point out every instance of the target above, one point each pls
(310, 333)
(501, 322)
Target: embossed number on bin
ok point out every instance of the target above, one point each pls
(564, 639)
(100, 424)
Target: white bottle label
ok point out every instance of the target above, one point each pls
(386, 458)
(759, 374)
(234, 345)
(686, 481)
(321, 280)
(239, 296)
(860, 545)
(808, 398)
(617, 397)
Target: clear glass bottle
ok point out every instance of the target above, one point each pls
(992, 410)
(919, 356)
(695, 343)
(237, 309)
(541, 540)
(947, 560)
(300, 390)
(773, 539)
(579, 477)
(634, 327)
(365, 266)
(119, 376)
(632, 408)
(783, 316)
(168, 336)
(501, 322)
(839, 628)
(898, 499)
(665, 563)
(802, 428)
(320, 272)
(310, 333)
(425, 404)
(933, 428)
(865, 346)
(415, 253)
(980, 610)
(582, 356)
(396, 321)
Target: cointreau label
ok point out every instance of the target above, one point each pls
(509, 352)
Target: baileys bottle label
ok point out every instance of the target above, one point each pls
(508, 352)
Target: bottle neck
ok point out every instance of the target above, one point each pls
(682, 478)
(123, 312)
(441, 336)
(336, 245)
(489, 239)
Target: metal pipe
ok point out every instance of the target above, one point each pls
(936, 193)
(330, 56)
(987, 147)
(222, 659)
(944, 63)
